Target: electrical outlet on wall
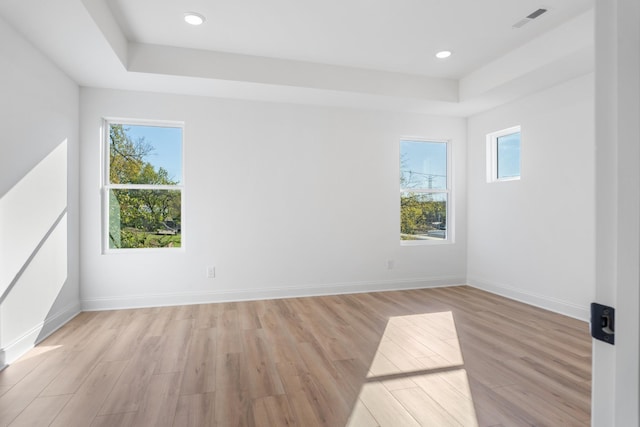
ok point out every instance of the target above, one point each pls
(211, 272)
(390, 264)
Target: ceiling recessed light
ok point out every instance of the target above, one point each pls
(443, 54)
(193, 18)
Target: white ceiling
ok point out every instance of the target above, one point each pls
(353, 53)
(391, 35)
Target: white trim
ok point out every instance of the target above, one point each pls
(144, 122)
(186, 298)
(548, 303)
(129, 251)
(423, 242)
(144, 187)
(18, 347)
(492, 154)
(616, 368)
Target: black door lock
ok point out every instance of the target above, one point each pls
(603, 323)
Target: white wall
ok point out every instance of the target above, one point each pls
(284, 200)
(39, 265)
(533, 239)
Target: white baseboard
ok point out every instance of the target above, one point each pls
(548, 303)
(159, 300)
(36, 334)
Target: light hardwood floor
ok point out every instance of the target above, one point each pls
(435, 357)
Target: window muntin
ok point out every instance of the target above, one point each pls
(503, 155)
(143, 183)
(424, 191)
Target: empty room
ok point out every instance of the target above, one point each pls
(343, 213)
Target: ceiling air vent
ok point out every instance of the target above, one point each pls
(529, 18)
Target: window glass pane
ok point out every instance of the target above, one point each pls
(423, 165)
(423, 216)
(144, 218)
(145, 154)
(508, 156)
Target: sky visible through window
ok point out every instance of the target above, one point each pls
(423, 165)
(167, 147)
(509, 156)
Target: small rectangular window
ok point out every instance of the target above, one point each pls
(424, 190)
(143, 185)
(503, 155)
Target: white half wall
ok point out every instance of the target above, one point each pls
(534, 239)
(39, 257)
(284, 200)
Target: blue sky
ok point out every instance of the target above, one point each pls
(509, 155)
(167, 147)
(424, 164)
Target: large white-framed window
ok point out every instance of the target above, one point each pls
(425, 191)
(503, 155)
(143, 185)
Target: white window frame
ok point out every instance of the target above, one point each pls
(492, 154)
(448, 192)
(107, 186)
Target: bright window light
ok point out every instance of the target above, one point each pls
(503, 155)
(143, 184)
(424, 191)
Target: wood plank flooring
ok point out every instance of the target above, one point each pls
(434, 357)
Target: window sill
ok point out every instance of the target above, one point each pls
(426, 242)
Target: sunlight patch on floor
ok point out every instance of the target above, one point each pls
(417, 377)
(37, 351)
